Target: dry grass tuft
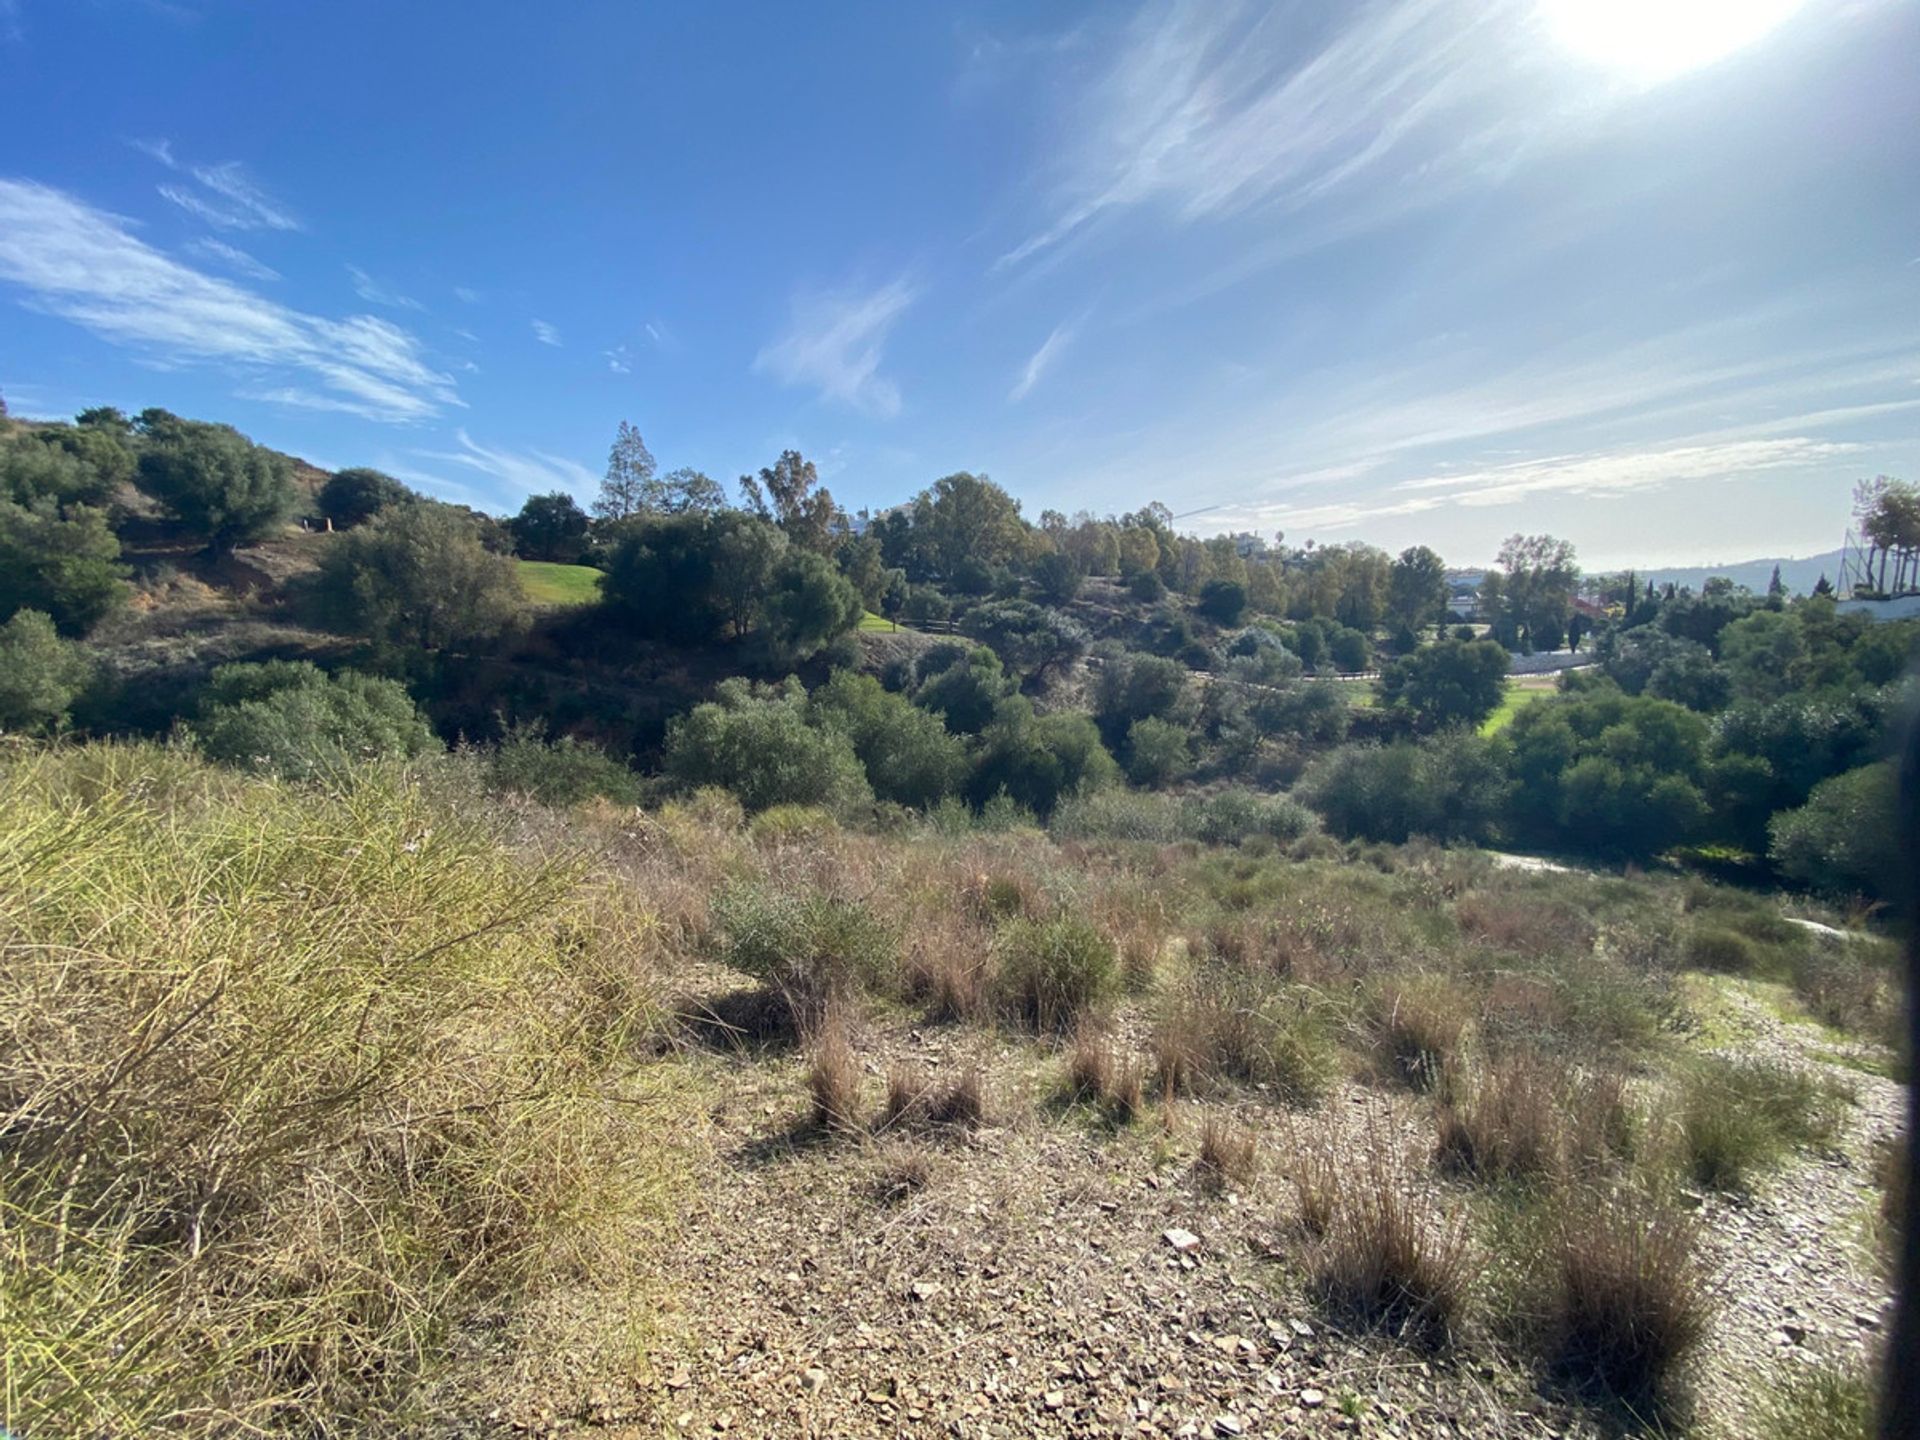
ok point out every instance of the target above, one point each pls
(947, 970)
(1418, 1026)
(1227, 1027)
(903, 1174)
(1618, 1299)
(917, 1099)
(1229, 1153)
(1502, 1122)
(833, 1080)
(1387, 1257)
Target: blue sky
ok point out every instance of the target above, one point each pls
(1643, 273)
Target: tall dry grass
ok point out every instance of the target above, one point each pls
(290, 1083)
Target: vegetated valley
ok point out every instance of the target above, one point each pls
(713, 968)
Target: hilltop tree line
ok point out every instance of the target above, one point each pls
(1086, 654)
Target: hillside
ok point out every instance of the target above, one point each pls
(1799, 575)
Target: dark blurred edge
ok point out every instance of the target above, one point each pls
(1900, 1410)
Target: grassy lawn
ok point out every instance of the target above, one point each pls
(549, 584)
(871, 621)
(1510, 705)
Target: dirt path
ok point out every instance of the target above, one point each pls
(1795, 1278)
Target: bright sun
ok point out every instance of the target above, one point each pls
(1657, 39)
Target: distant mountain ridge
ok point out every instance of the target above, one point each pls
(1798, 575)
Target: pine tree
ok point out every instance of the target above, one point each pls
(629, 482)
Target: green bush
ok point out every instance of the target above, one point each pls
(755, 741)
(419, 577)
(65, 562)
(40, 673)
(1117, 814)
(1036, 761)
(295, 721)
(353, 497)
(49, 471)
(1451, 787)
(1846, 838)
(1232, 817)
(909, 755)
(1052, 972)
(558, 773)
(1157, 752)
(1740, 1116)
(811, 948)
(217, 483)
(1727, 951)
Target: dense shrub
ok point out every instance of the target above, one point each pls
(1233, 816)
(1222, 601)
(909, 755)
(813, 949)
(48, 470)
(1036, 761)
(1157, 752)
(962, 685)
(64, 562)
(418, 577)
(754, 740)
(40, 673)
(1605, 771)
(295, 721)
(1452, 787)
(559, 772)
(218, 484)
(1724, 950)
(354, 496)
(1846, 838)
(1052, 973)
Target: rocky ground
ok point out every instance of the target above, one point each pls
(1047, 1275)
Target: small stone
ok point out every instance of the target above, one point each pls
(1313, 1399)
(1055, 1399)
(925, 1290)
(1866, 1321)
(813, 1380)
(1228, 1425)
(679, 1379)
(1181, 1240)
(1301, 1328)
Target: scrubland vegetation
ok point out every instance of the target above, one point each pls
(382, 948)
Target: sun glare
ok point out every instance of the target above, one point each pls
(1658, 39)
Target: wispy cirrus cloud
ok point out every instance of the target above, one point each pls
(1042, 360)
(467, 295)
(374, 293)
(834, 344)
(160, 150)
(229, 198)
(547, 334)
(82, 264)
(1602, 474)
(620, 360)
(1211, 109)
(515, 473)
(233, 258)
